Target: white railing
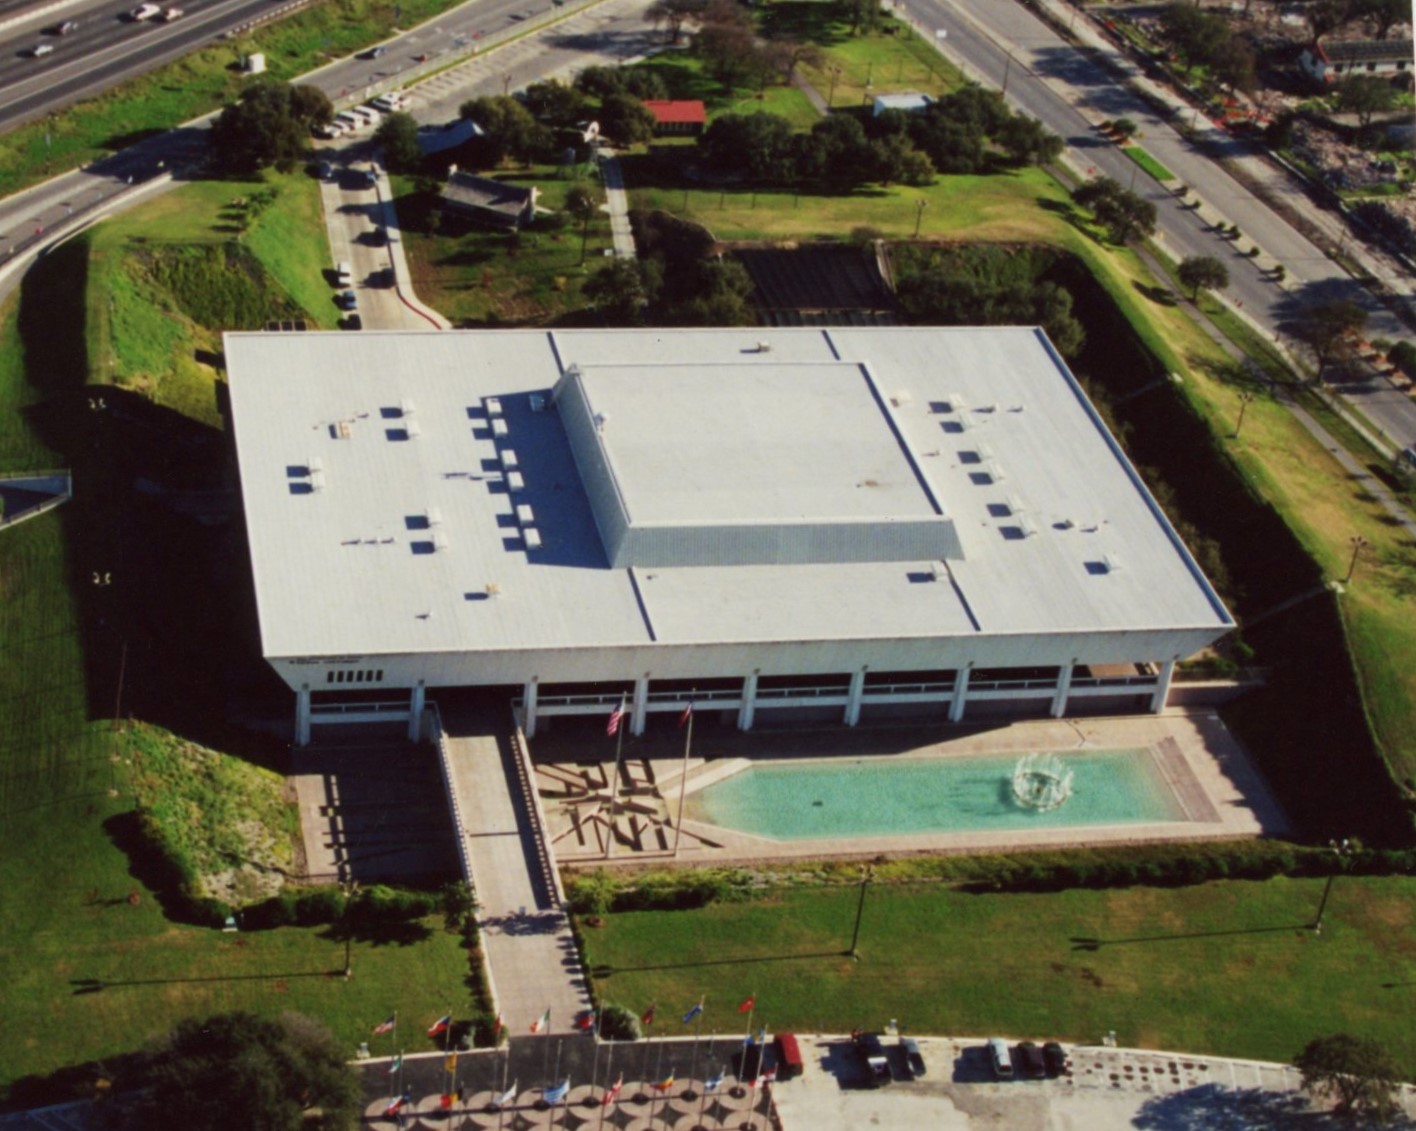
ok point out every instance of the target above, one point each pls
(525, 774)
(381, 707)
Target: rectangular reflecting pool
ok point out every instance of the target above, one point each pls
(816, 800)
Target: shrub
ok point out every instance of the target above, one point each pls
(619, 1023)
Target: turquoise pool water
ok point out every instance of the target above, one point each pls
(880, 797)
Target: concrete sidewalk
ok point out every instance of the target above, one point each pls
(525, 933)
(616, 203)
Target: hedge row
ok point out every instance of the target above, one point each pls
(600, 892)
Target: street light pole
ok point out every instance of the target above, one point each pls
(919, 214)
(1244, 401)
(1343, 850)
(1007, 70)
(866, 875)
(1358, 542)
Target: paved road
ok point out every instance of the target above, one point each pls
(105, 49)
(998, 40)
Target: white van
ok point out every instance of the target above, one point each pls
(343, 275)
(367, 114)
(999, 1060)
(348, 120)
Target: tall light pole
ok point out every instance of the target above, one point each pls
(919, 214)
(1007, 70)
(867, 874)
(831, 95)
(1358, 543)
(1245, 399)
(1343, 850)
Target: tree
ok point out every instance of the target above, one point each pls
(1234, 65)
(556, 102)
(1202, 273)
(731, 53)
(786, 55)
(239, 1070)
(1027, 141)
(268, 125)
(580, 202)
(1194, 33)
(1365, 95)
(1383, 15)
(619, 1023)
(897, 161)
(617, 289)
(398, 135)
(1125, 215)
(1356, 1071)
(626, 119)
(863, 15)
(1326, 16)
(1125, 128)
(758, 146)
(1328, 329)
(674, 14)
(458, 904)
(508, 130)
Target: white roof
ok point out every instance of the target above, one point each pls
(382, 502)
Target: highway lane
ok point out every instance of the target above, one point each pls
(1050, 80)
(104, 51)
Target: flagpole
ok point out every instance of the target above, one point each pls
(609, 1063)
(506, 1071)
(614, 781)
(751, 1009)
(683, 780)
(555, 1083)
(546, 1050)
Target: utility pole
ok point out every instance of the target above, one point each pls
(867, 874)
(1343, 850)
(1358, 543)
(1245, 399)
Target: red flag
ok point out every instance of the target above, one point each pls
(613, 1093)
(615, 718)
(648, 1018)
(447, 1100)
(749, 1005)
(687, 714)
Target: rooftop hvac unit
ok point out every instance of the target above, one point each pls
(514, 483)
(439, 540)
(1112, 562)
(524, 515)
(537, 402)
(499, 428)
(434, 516)
(494, 406)
(532, 537)
(406, 407)
(995, 469)
(509, 461)
(317, 480)
(414, 429)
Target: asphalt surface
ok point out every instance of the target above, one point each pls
(105, 49)
(1001, 41)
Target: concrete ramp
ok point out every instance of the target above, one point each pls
(525, 932)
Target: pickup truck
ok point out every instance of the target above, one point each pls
(144, 12)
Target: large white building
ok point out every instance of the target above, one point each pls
(844, 520)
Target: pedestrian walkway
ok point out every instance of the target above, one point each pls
(525, 932)
(616, 203)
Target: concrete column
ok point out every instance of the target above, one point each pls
(749, 702)
(853, 703)
(641, 703)
(415, 714)
(961, 691)
(1064, 685)
(528, 707)
(302, 715)
(1162, 687)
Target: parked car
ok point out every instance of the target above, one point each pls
(144, 12)
(1056, 1058)
(1031, 1061)
(877, 1065)
(326, 171)
(375, 53)
(353, 322)
(40, 50)
(172, 14)
(64, 28)
(346, 300)
(999, 1060)
(378, 235)
(913, 1057)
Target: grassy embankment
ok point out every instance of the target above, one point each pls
(90, 963)
(1213, 968)
(198, 83)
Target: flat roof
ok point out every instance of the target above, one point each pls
(417, 492)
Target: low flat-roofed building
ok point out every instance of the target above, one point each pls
(852, 520)
(910, 102)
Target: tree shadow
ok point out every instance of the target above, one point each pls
(119, 141)
(377, 932)
(1211, 1107)
(1162, 296)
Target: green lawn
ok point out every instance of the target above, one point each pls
(1148, 163)
(1220, 968)
(144, 335)
(477, 276)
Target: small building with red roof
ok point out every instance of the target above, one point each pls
(678, 118)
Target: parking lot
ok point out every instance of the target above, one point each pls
(363, 232)
(1102, 1088)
